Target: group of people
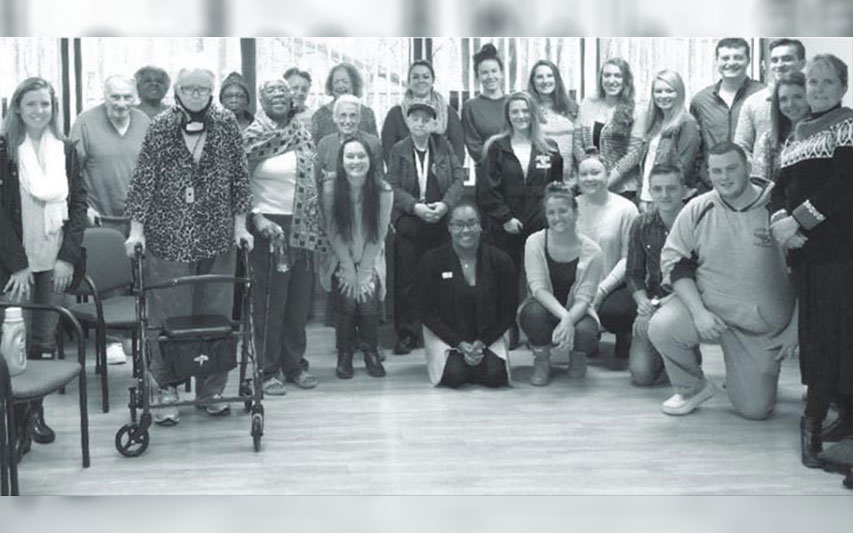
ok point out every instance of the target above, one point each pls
(579, 221)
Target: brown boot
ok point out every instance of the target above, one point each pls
(810, 441)
(541, 367)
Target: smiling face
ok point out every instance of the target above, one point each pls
(36, 110)
(421, 81)
(544, 80)
(784, 59)
(490, 75)
(341, 82)
(276, 99)
(356, 163)
(664, 95)
(152, 86)
(464, 227)
(346, 118)
(792, 102)
(118, 97)
(519, 115)
(732, 62)
(300, 87)
(612, 80)
(667, 192)
(824, 89)
(560, 214)
(592, 176)
(729, 175)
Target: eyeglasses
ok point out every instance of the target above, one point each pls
(276, 90)
(196, 91)
(459, 226)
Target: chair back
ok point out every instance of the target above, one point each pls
(107, 263)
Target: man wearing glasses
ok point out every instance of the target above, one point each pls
(188, 200)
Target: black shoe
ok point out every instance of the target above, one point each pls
(374, 364)
(841, 427)
(513, 337)
(39, 430)
(810, 441)
(344, 370)
(404, 345)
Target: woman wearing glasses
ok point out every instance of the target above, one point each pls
(563, 271)
(467, 302)
(187, 202)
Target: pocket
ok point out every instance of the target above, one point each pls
(744, 315)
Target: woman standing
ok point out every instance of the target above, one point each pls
(606, 218)
(300, 85)
(483, 116)
(518, 163)
(421, 80)
(609, 122)
(359, 203)
(788, 106)
(671, 135)
(344, 78)
(288, 231)
(812, 206)
(467, 301)
(42, 218)
(563, 271)
(558, 110)
(234, 96)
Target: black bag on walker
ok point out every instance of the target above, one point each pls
(199, 346)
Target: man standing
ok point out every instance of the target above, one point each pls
(718, 106)
(108, 138)
(152, 83)
(732, 286)
(786, 55)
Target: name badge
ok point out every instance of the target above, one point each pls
(543, 161)
(189, 195)
(447, 275)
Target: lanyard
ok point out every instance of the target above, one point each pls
(422, 169)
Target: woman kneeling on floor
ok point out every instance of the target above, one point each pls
(564, 269)
(467, 298)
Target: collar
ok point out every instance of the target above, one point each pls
(747, 82)
(821, 121)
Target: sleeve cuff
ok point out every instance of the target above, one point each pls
(683, 269)
(778, 215)
(807, 215)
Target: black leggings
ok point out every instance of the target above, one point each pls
(617, 314)
(491, 371)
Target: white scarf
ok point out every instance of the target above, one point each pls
(48, 184)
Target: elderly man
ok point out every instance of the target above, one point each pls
(188, 201)
(152, 83)
(288, 230)
(108, 138)
(731, 285)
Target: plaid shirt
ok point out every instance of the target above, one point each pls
(642, 271)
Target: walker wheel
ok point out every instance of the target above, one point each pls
(257, 430)
(129, 446)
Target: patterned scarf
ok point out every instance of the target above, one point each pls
(264, 138)
(439, 124)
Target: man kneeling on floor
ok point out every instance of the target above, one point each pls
(731, 286)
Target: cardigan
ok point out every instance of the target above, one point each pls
(679, 147)
(402, 174)
(589, 273)
(395, 129)
(13, 258)
(438, 304)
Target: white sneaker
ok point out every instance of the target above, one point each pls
(167, 416)
(218, 408)
(115, 354)
(678, 405)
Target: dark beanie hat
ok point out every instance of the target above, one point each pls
(234, 79)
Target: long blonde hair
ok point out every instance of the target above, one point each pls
(655, 120)
(537, 137)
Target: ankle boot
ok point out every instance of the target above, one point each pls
(344, 369)
(374, 364)
(577, 364)
(841, 427)
(810, 441)
(541, 367)
(40, 431)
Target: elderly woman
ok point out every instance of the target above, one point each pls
(421, 83)
(343, 79)
(611, 123)
(42, 218)
(188, 201)
(563, 271)
(300, 84)
(152, 83)
(347, 119)
(467, 301)
(358, 206)
(234, 96)
(558, 109)
(812, 206)
(287, 228)
(427, 180)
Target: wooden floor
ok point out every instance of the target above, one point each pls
(398, 435)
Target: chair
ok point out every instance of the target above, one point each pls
(108, 269)
(41, 378)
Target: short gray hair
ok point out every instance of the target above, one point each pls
(118, 78)
(347, 99)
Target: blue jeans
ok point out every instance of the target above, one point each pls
(355, 320)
